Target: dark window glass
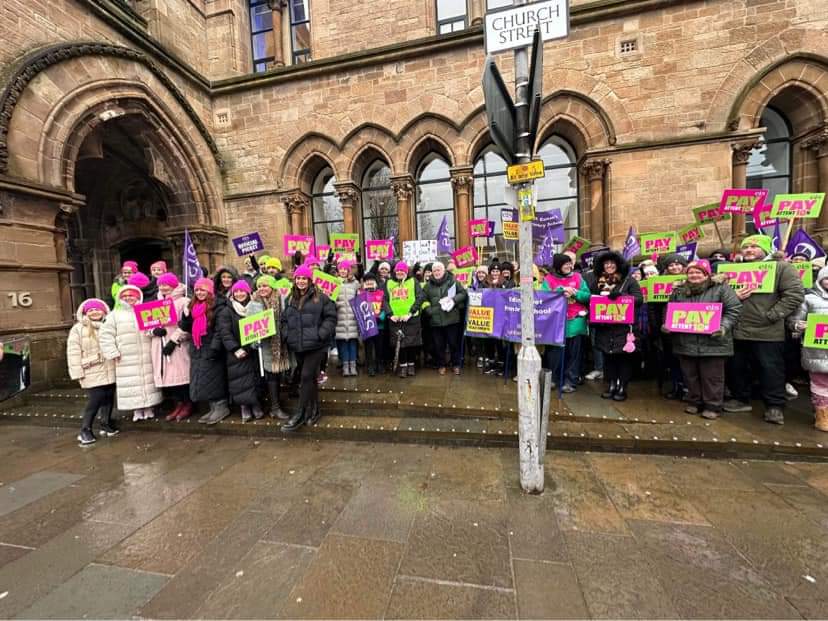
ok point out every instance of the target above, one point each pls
(451, 16)
(261, 28)
(434, 199)
(326, 210)
(769, 165)
(300, 31)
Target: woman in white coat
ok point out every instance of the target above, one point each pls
(131, 349)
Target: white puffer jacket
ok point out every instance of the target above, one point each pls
(133, 372)
(346, 324)
(815, 303)
(84, 358)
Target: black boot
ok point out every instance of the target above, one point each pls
(295, 422)
(108, 428)
(315, 415)
(612, 388)
(621, 393)
(276, 410)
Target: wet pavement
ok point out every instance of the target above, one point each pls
(218, 526)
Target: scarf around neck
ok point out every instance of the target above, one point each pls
(199, 323)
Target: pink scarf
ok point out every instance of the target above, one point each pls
(199, 322)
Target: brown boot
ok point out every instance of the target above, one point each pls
(821, 422)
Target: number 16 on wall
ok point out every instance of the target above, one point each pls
(20, 299)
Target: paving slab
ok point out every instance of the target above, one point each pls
(581, 503)
(424, 599)
(805, 499)
(548, 591)
(534, 532)
(19, 493)
(460, 541)
(381, 510)
(34, 575)
(706, 474)
(186, 591)
(771, 472)
(350, 578)
(691, 560)
(616, 579)
(9, 553)
(98, 592)
(465, 474)
(256, 587)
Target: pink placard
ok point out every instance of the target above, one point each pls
(465, 256)
(378, 249)
(155, 314)
(322, 251)
(604, 310)
(742, 201)
(693, 317)
(479, 227)
(302, 243)
(761, 216)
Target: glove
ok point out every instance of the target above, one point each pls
(159, 332)
(614, 294)
(240, 353)
(665, 330)
(169, 348)
(718, 334)
(800, 326)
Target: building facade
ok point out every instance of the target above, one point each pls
(125, 122)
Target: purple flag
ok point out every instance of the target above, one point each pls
(775, 234)
(495, 313)
(802, 243)
(546, 250)
(192, 268)
(632, 248)
(443, 238)
(688, 250)
(365, 317)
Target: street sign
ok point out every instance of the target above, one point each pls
(521, 173)
(535, 88)
(500, 111)
(526, 205)
(514, 28)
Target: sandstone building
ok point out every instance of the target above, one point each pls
(123, 122)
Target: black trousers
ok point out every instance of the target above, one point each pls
(619, 368)
(177, 393)
(446, 336)
(373, 353)
(762, 361)
(272, 380)
(704, 376)
(310, 362)
(98, 398)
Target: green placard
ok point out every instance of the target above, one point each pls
(329, 285)
(659, 288)
(578, 245)
(816, 332)
(348, 242)
(759, 276)
(690, 233)
(709, 213)
(797, 205)
(806, 273)
(658, 243)
(257, 327)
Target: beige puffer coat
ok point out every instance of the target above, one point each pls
(84, 358)
(173, 370)
(120, 337)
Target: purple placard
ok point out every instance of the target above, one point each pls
(248, 244)
(366, 319)
(550, 315)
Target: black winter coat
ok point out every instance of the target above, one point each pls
(310, 327)
(242, 373)
(208, 373)
(611, 338)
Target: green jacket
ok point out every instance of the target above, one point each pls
(578, 325)
(705, 344)
(434, 292)
(763, 314)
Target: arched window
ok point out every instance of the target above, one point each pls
(489, 191)
(435, 198)
(327, 211)
(559, 187)
(379, 205)
(769, 165)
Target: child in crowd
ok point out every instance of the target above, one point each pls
(131, 349)
(374, 354)
(127, 270)
(347, 333)
(158, 268)
(93, 371)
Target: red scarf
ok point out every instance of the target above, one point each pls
(199, 322)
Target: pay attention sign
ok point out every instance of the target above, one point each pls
(816, 332)
(693, 317)
(604, 310)
(155, 314)
(658, 243)
(760, 276)
(257, 327)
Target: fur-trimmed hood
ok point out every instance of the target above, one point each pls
(611, 255)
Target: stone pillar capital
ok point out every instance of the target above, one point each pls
(462, 179)
(742, 150)
(276, 5)
(295, 202)
(403, 187)
(348, 193)
(594, 170)
(817, 142)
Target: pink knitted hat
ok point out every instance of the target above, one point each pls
(161, 264)
(139, 280)
(169, 279)
(240, 285)
(94, 304)
(401, 266)
(303, 271)
(131, 265)
(206, 284)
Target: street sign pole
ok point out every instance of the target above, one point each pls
(529, 362)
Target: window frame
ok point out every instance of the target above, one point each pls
(451, 21)
(302, 55)
(787, 175)
(251, 4)
(323, 195)
(430, 157)
(573, 165)
(366, 195)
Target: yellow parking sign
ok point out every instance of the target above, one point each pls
(521, 173)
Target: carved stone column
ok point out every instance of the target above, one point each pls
(349, 195)
(595, 171)
(403, 188)
(818, 143)
(61, 257)
(741, 155)
(276, 7)
(461, 181)
(477, 9)
(297, 205)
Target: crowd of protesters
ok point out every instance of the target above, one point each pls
(199, 360)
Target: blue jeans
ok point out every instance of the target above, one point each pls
(572, 360)
(347, 349)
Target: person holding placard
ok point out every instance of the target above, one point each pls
(759, 336)
(404, 300)
(275, 358)
(170, 355)
(91, 369)
(703, 356)
(307, 326)
(347, 332)
(131, 349)
(224, 279)
(668, 265)
(374, 354)
(242, 364)
(616, 341)
(208, 373)
(445, 299)
(814, 360)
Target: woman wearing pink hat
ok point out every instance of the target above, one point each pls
(347, 333)
(170, 354)
(242, 361)
(402, 306)
(95, 373)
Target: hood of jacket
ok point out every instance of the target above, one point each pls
(611, 255)
(119, 304)
(448, 277)
(818, 288)
(217, 278)
(79, 312)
